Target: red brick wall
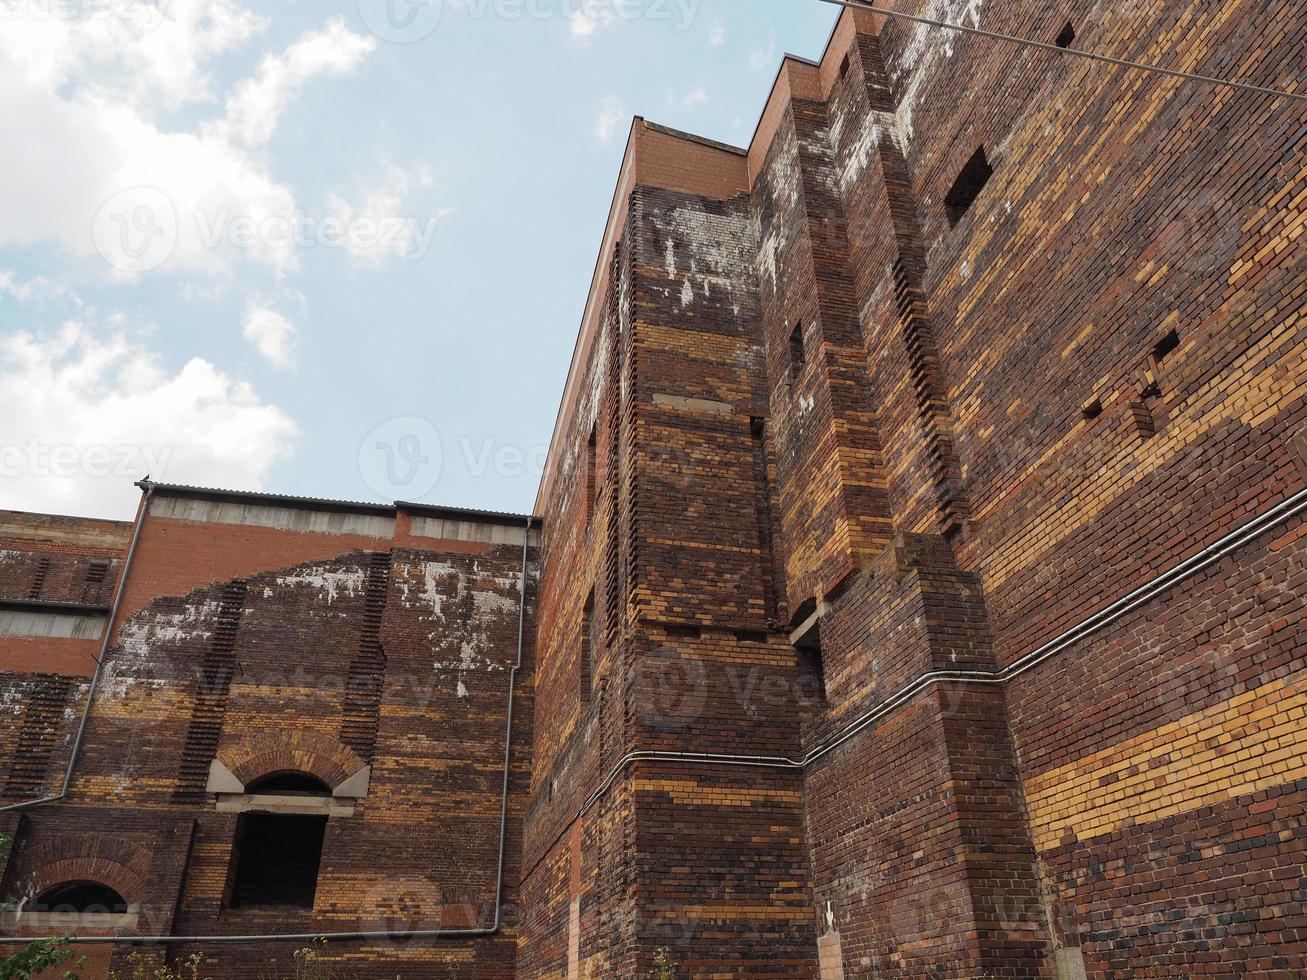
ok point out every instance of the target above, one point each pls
(397, 655)
(928, 479)
(929, 472)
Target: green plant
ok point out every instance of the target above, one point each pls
(663, 968)
(39, 956)
(146, 967)
(309, 965)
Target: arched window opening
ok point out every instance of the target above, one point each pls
(289, 784)
(276, 859)
(81, 897)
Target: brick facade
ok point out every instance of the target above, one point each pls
(372, 647)
(852, 451)
(817, 386)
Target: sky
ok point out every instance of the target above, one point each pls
(336, 248)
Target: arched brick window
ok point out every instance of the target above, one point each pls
(79, 897)
(289, 784)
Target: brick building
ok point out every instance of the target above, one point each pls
(916, 591)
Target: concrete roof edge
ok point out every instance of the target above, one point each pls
(472, 513)
(44, 605)
(260, 497)
(696, 138)
(327, 504)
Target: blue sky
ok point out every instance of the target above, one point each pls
(258, 245)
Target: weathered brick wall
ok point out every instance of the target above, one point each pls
(988, 426)
(60, 559)
(666, 529)
(47, 655)
(397, 656)
(48, 576)
(1110, 221)
(970, 444)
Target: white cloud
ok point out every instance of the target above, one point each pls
(139, 51)
(685, 100)
(87, 414)
(257, 103)
(272, 334)
(610, 117)
(89, 95)
(587, 18)
(38, 289)
(763, 58)
(383, 222)
(717, 33)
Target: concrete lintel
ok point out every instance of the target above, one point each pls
(309, 806)
(69, 922)
(800, 633)
(701, 406)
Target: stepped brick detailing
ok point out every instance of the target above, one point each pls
(367, 671)
(923, 359)
(38, 579)
(40, 729)
(807, 433)
(212, 686)
(60, 559)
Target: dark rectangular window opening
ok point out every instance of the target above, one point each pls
(751, 636)
(1165, 346)
(968, 186)
(798, 355)
(277, 859)
(844, 66)
(812, 670)
(683, 630)
(1067, 37)
(589, 647)
(97, 571)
